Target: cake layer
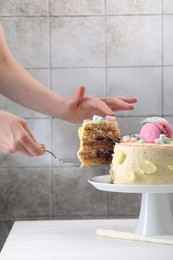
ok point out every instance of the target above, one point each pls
(90, 137)
(93, 161)
(98, 125)
(92, 147)
(106, 154)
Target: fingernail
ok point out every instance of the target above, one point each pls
(42, 146)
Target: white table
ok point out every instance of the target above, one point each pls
(76, 239)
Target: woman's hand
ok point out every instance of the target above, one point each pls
(15, 136)
(79, 107)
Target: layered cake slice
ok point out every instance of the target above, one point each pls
(97, 140)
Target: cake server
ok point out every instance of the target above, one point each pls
(72, 161)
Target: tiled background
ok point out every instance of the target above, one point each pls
(112, 47)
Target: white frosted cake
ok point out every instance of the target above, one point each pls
(147, 159)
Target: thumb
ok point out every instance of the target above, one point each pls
(25, 126)
(79, 95)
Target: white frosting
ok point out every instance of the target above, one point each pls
(152, 120)
(148, 163)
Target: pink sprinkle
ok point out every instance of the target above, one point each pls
(133, 139)
(86, 121)
(157, 141)
(126, 138)
(110, 118)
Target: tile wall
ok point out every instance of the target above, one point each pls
(112, 47)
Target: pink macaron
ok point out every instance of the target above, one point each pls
(168, 128)
(151, 131)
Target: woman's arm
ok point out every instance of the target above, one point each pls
(18, 85)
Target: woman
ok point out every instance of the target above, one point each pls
(18, 85)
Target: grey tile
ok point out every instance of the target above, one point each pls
(130, 125)
(133, 6)
(28, 40)
(24, 192)
(65, 142)
(66, 81)
(124, 205)
(41, 131)
(40, 74)
(171, 201)
(76, 7)
(170, 119)
(168, 6)
(78, 41)
(23, 7)
(133, 40)
(142, 83)
(168, 91)
(74, 196)
(167, 40)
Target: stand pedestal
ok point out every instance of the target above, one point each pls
(155, 218)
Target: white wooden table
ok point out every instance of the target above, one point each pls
(76, 239)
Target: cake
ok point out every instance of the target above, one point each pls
(146, 158)
(97, 140)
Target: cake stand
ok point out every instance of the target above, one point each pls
(155, 218)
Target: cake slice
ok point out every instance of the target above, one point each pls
(97, 140)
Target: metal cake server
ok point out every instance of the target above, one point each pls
(72, 161)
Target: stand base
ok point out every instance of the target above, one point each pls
(155, 215)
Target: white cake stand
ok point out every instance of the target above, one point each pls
(155, 218)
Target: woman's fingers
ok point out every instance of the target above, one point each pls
(30, 146)
(128, 99)
(17, 137)
(117, 104)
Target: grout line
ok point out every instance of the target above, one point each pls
(51, 119)
(120, 116)
(106, 88)
(100, 67)
(81, 16)
(106, 54)
(162, 59)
